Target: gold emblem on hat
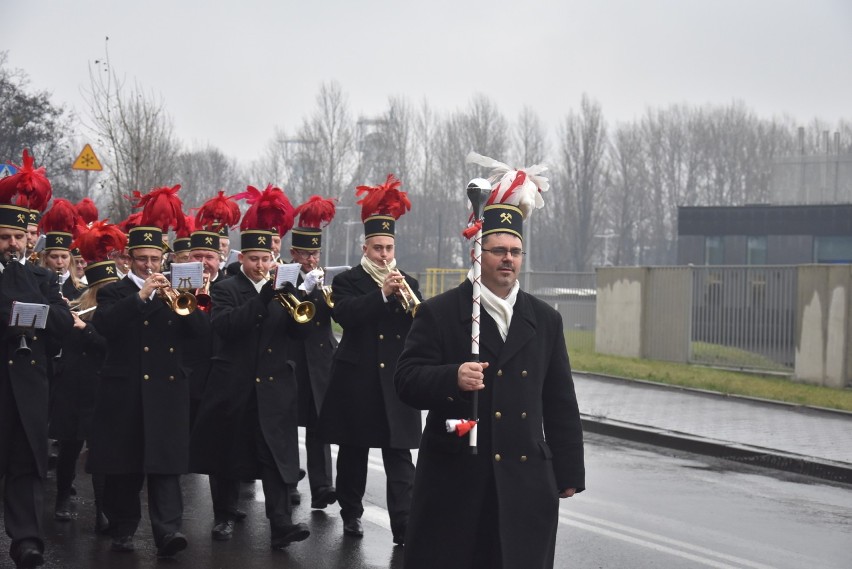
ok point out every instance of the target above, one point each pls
(208, 240)
(147, 236)
(386, 225)
(110, 270)
(20, 218)
(261, 240)
(314, 241)
(505, 217)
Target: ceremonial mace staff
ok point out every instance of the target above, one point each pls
(478, 191)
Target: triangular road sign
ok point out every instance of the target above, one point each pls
(87, 160)
(7, 170)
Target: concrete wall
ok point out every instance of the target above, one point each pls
(618, 314)
(666, 329)
(823, 341)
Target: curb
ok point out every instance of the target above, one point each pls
(768, 458)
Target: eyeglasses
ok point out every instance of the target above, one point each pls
(501, 252)
(307, 254)
(144, 260)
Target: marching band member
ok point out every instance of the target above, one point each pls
(498, 507)
(141, 423)
(313, 355)
(361, 410)
(60, 225)
(247, 424)
(77, 371)
(23, 380)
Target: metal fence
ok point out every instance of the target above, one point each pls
(744, 316)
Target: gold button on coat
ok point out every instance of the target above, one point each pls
(145, 323)
(257, 379)
(523, 458)
(498, 415)
(524, 415)
(382, 365)
(524, 373)
(450, 399)
(145, 377)
(381, 336)
(171, 378)
(499, 373)
(497, 457)
(145, 349)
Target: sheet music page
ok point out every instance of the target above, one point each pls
(29, 315)
(287, 273)
(331, 272)
(188, 275)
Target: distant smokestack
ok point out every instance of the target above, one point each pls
(802, 140)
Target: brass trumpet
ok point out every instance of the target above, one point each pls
(202, 296)
(301, 311)
(325, 290)
(182, 303)
(409, 301)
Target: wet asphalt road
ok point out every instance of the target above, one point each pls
(645, 507)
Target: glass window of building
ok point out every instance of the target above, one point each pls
(834, 249)
(756, 250)
(713, 251)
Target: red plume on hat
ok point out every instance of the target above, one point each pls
(218, 212)
(162, 208)
(29, 187)
(267, 209)
(317, 212)
(385, 199)
(98, 241)
(87, 209)
(61, 217)
(188, 229)
(133, 220)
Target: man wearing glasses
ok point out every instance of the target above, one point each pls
(141, 419)
(498, 507)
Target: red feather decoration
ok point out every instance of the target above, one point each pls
(216, 213)
(317, 212)
(267, 209)
(98, 241)
(188, 229)
(133, 220)
(61, 217)
(162, 208)
(385, 199)
(87, 210)
(29, 186)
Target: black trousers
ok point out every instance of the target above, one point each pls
(23, 496)
(123, 507)
(318, 454)
(226, 494)
(279, 511)
(352, 483)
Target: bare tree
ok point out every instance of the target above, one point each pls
(137, 133)
(202, 173)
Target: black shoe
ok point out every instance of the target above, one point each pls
(29, 556)
(171, 544)
(122, 544)
(295, 495)
(62, 512)
(323, 497)
(353, 527)
(284, 536)
(239, 515)
(73, 490)
(223, 531)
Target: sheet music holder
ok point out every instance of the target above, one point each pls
(287, 273)
(188, 275)
(28, 315)
(331, 272)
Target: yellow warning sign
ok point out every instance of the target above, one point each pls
(87, 160)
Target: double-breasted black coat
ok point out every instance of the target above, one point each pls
(530, 436)
(27, 373)
(251, 383)
(313, 357)
(361, 407)
(75, 384)
(141, 419)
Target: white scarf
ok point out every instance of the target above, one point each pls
(377, 272)
(500, 309)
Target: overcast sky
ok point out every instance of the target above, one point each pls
(229, 73)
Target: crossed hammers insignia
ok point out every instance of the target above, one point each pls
(505, 217)
(386, 225)
(261, 240)
(314, 241)
(20, 218)
(110, 270)
(148, 237)
(208, 240)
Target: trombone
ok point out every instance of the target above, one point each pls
(300, 311)
(182, 303)
(409, 301)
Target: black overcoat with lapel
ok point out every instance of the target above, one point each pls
(75, 385)
(530, 436)
(361, 406)
(27, 373)
(141, 419)
(313, 357)
(70, 291)
(251, 382)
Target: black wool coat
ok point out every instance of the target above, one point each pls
(251, 383)
(530, 436)
(75, 383)
(313, 356)
(361, 406)
(27, 373)
(141, 418)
